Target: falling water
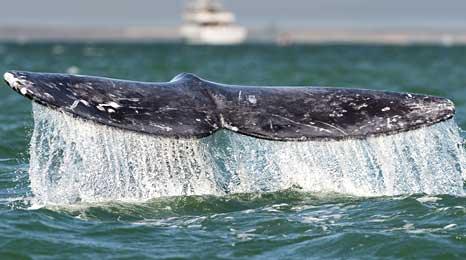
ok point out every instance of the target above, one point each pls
(75, 160)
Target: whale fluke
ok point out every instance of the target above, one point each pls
(189, 106)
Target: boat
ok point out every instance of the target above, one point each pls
(207, 22)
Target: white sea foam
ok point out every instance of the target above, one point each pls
(76, 160)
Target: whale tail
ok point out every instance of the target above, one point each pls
(190, 107)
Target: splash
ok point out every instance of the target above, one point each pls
(74, 160)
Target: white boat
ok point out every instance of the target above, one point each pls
(207, 22)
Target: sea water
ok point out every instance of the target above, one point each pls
(259, 225)
(74, 160)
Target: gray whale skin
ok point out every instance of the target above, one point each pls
(191, 107)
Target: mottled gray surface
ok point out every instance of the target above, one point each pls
(189, 106)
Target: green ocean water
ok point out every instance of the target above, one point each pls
(271, 225)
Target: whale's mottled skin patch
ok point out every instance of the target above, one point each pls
(189, 106)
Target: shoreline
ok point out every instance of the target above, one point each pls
(260, 35)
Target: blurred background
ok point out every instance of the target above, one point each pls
(295, 21)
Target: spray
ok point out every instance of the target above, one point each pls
(74, 160)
